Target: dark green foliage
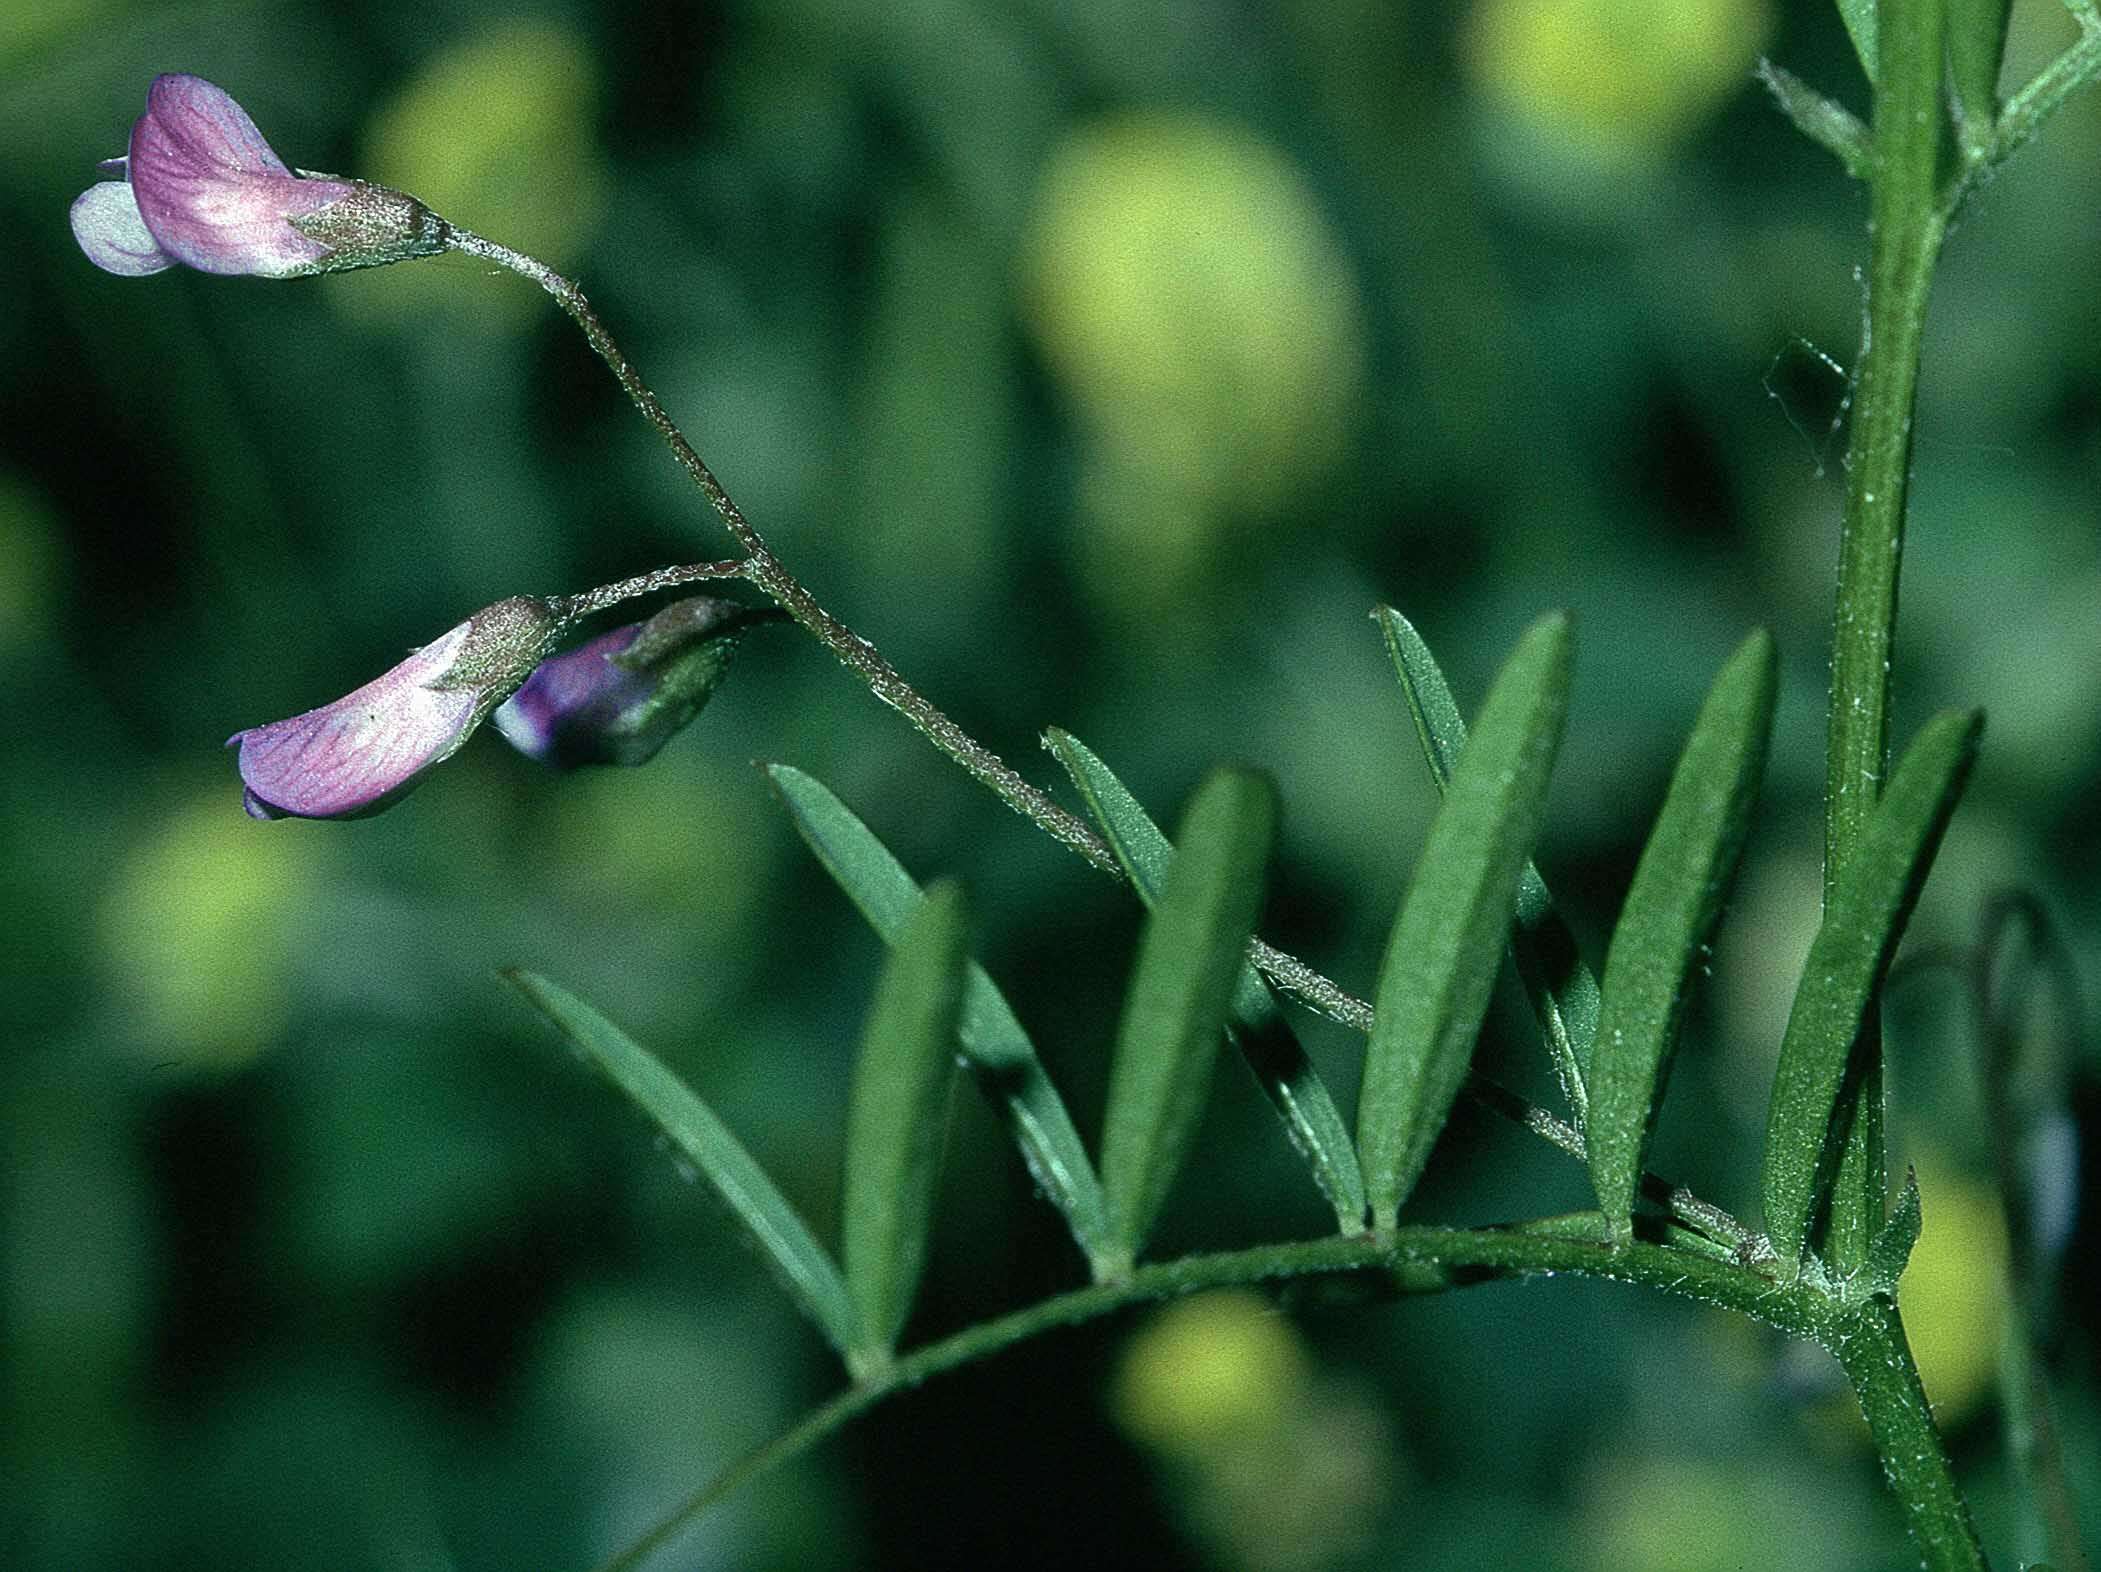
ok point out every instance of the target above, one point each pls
(1254, 1022)
(1188, 963)
(1671, 908)
(1447, 942)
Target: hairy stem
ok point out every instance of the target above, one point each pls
(767, 571)
(588, 602)
(1870, 1346)
(1907, 224)
(770, 574)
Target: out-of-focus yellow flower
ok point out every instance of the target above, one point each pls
(1210, 1370)
(1191, 295)
(1274, 1468)
(1615, 77)
(197, 929)
(657, 835)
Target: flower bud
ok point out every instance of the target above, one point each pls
(200, 186)
(620, 697)
(369, 748)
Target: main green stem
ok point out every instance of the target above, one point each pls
(1870, 1346)
(1906, 226)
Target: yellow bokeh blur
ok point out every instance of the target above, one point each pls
(1210, 1371)
(1953, 1292)
(1614, 78)
(1193, 298)
(496, 133)
(1272, 1465)
(1675, 1514)
(197, 930)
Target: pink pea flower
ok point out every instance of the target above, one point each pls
(201, 187)
(620, 697)
(369, 749)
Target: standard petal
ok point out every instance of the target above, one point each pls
(210, 190)
(359, 754)
(107, 224)
(204, 120)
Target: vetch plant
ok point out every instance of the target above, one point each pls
(1823, 1261)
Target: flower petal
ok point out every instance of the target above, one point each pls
(620, 697)
(203, 119)
(359, 754)
(107, 224)
(212, 192)
(569, 697)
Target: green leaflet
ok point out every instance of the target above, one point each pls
(896, 1116)
(1863, 919)
(1891, 1250)
(1442, 956)
(994, 1044)
(1671, 907)
(1254, 1022)
(1976, 31)
(692, 1126)
(1829, 124)
(1859, 17)
(1189, 959)
(1563, 992)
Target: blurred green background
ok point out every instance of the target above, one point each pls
(1105, 361)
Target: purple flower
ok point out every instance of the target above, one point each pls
(200, 186)
(369, 748)
(620, 697)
